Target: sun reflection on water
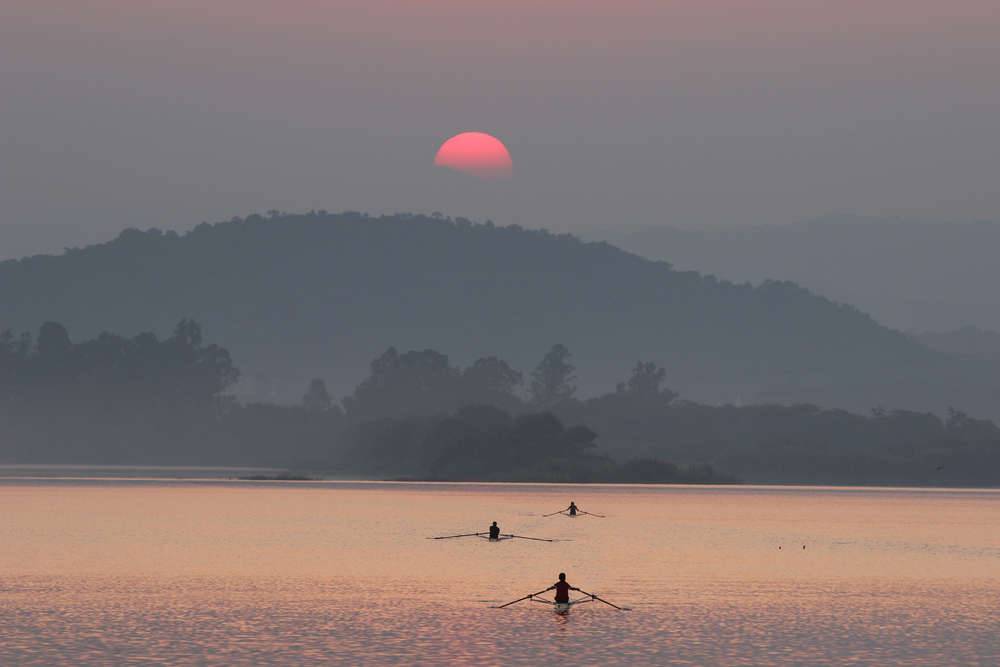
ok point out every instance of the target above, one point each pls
(229, 573)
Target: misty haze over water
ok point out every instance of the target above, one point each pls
(477, 352)
(720, 275)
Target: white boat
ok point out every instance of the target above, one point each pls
(562, 608)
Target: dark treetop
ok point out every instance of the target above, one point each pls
(116, 400)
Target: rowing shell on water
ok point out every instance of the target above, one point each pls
(566, 513)
(563, 608)
(503, 536)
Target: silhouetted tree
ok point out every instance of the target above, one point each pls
(187, 333)
(491, 380)
(969, 429)
(646, 381)
(199, 372)
(317, 397)
(553, 378)
(467, 284)
(53, 342)
(413, 383)
(481, 442)
(55, 351)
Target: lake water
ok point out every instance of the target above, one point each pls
(226, 572)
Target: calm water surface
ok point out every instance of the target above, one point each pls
(225, 572)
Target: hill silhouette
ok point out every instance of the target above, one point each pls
(965, 342)
(295, 297)
(909, 274)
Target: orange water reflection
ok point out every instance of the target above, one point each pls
(232, 572)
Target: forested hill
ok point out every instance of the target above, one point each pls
(300, 296)
(914, 275)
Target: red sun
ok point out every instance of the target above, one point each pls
(475, 153)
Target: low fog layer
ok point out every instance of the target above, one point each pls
(417, 415)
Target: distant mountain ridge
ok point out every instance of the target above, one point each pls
(909, 274)
(319, 295)
(966, 343)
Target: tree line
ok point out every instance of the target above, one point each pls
(269, 279)
(416, 415)
(179, 369)
(110, 399)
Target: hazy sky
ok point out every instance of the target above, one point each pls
(701, 112)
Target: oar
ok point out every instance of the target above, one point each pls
(526, 597)
(603, 600)
(522, 537)
(554, 513)
(448, 537)
(592, 514)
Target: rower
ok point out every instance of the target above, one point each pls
(572, 508)
(494, 531)
(562, 588)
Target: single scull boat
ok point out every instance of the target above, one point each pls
(562, 608)
(502, 536)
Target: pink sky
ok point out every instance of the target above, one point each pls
(688, 113)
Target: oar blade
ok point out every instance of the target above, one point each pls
(536, 539)
(600, 599)
(507, 604)
(526, 597)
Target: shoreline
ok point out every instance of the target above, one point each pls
(64, 475)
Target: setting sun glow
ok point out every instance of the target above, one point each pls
(475, 153)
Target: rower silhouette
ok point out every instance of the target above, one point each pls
(572, 508)
(562, 588)
(494, 531)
